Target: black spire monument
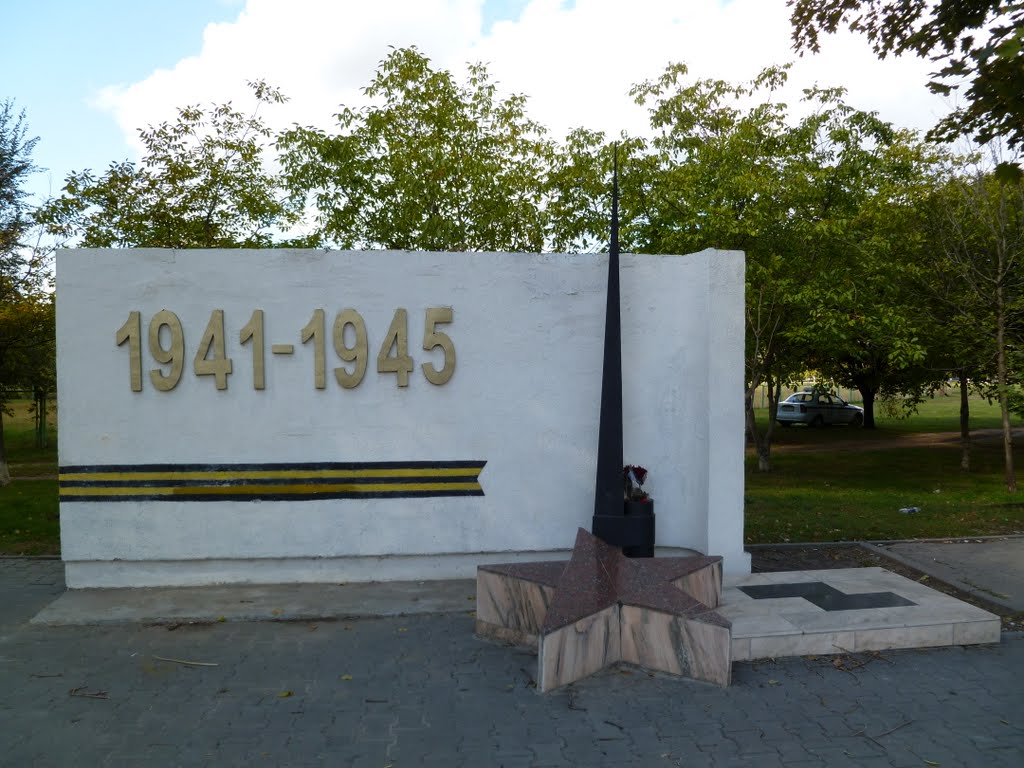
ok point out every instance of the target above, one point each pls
(634, 533)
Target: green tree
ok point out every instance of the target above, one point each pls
(201, 183)
(981, 41)
(15, 166)
(867, 323)
(731, 168)
(578, 190)
(955, 312)
(716, 177)
(978, 230)
(27, 353)
(429, 165)
(26, 309)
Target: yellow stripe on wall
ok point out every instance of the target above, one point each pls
(231, 490)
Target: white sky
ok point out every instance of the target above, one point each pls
(574, 60)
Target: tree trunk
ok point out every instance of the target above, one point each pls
(764, 450)
(868, 395)
(1011, 475)
(748, 412)
(40, 417)
(5, 473)
(1004, 404)
(762, 440)
(965, 425)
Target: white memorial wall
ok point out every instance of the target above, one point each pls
(322, 416)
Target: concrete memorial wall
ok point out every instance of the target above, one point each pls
(323, 416)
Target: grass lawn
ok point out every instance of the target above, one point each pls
(942, 413)
(824, 487)
(843, 483)
(29, 518)
(29, 521)
(829, 495)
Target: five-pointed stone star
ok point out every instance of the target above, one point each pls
(654, 612)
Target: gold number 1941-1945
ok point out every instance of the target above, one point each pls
(349, 338)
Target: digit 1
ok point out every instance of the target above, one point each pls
(254, 330)
(315, 330)
(131, 332)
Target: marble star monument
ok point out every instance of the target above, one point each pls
(603, 607)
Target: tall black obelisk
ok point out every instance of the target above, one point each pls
(634, 533)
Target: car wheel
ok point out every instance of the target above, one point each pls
(818, 421)
(785, 424)
(858, 420)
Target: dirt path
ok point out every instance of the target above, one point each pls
(901, 440)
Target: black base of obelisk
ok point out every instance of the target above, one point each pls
(634, 533)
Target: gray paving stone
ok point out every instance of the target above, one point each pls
(760, 761)
(751, 742)
(434, 695)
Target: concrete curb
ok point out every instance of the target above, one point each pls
(943, 573)
(919, 566)
(264, 602)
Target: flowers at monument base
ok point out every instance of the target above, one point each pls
(633, 477)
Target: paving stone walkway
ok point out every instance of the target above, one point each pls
(421, 690)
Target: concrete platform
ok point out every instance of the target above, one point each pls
(916, 616)
(771, 627)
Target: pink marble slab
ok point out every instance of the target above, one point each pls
(577, 650)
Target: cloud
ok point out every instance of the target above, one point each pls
(575, 60)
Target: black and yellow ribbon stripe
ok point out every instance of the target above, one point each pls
(270, 482)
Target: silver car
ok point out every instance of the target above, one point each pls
(817, 409)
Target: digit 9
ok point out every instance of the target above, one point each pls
(355, 354)
(174, 355)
